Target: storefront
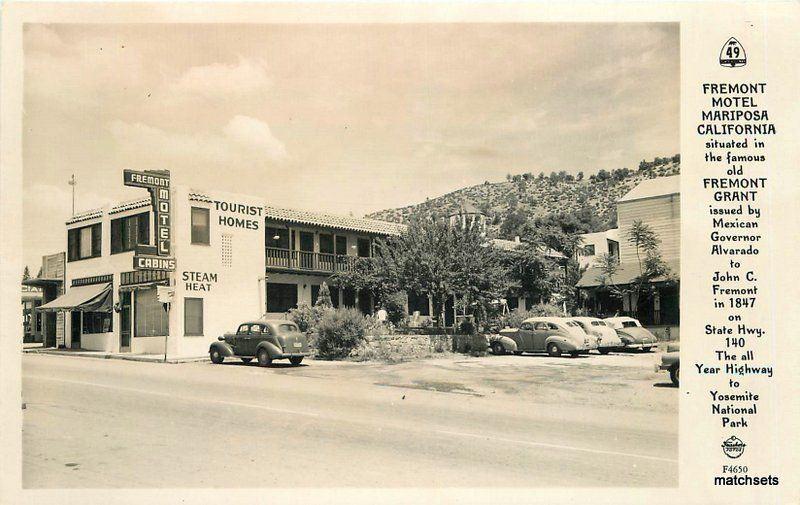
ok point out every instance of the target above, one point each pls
(143, 282)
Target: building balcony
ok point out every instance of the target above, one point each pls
(306, 261)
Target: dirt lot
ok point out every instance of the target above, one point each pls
(617, 380)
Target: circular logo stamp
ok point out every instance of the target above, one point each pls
(733, 447)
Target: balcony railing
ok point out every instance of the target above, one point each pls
(304, 260)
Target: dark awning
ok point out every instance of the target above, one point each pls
(41, 282)
(626, 274)
(92, 298)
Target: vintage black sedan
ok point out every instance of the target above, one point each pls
(265, 339)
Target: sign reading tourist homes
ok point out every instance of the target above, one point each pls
(157, 182)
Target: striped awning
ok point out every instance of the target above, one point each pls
(91, 298)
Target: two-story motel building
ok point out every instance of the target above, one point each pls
(235, 259)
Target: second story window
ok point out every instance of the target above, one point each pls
(85, 242)
(128, 231)
(201, 233)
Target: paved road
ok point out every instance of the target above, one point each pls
(92, 423)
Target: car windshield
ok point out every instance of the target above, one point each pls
(629, 324)
(287, 327)
(598, 323)
(572, 323)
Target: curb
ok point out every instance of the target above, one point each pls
(74, 354)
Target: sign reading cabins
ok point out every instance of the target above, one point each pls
(157, 182)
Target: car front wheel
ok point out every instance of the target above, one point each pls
(553, 350)
(264, 358)
(497, 348)
(216, 357)
(296, 360)
(675, 375)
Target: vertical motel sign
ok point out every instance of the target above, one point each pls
(157, 182)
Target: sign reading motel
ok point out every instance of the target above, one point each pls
(157, 182)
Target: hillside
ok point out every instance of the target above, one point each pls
(541, 195)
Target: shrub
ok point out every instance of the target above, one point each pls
(395, 306)
(340, 331)
(303, 317)
(307, 318)
(514, 318)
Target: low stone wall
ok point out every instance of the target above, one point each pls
(396, 348)
(666, 333)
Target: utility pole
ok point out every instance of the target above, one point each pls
(72, 182)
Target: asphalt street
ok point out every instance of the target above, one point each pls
(454, 421)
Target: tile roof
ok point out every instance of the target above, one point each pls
(85, 216)
(348, 223)
(626, 273)
(197, 196)
(130, 205)
(650, 188)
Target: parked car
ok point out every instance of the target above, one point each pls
(671, 361)
(554, 335)
(266, 340)
(632, 333)
(608, 340)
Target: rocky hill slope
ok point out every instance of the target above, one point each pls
(542, 195)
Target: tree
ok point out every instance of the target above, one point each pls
(38, 275)
(433, 258)
(324, 297)
(26, 274)
(651, 266)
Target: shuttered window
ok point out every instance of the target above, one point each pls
(193, 317)
(85, 242)
(201, 234)
(127, 232)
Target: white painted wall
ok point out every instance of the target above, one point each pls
(235, 296)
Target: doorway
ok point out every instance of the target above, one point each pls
(125, 322)
(75, 326)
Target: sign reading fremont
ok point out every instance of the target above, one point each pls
(157, 182)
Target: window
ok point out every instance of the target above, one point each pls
(282, 240)
(201, 234)
(281, 297)
(341, 245)
(192, 316)
(512, 301)
(85, 242)
(127, 232)
(588, 250)
(326, 243)
(255, 329)
(349, 297)
(526, 326)
(150, 319)
(314, 294)
(552, 326)
(334, 291)
(418, 303)
(363, 248)
(242, 329)
(540, 326)
(96, 322)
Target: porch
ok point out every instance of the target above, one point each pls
(308, 261)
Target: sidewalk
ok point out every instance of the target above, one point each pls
(82, 353)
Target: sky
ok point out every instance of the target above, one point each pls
(335, 118)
